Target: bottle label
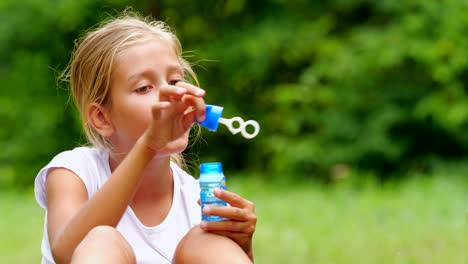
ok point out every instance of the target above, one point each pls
(207, 197)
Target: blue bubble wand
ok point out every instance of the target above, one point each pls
(235, 124)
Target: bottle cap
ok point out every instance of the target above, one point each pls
(211, 167)
(213, 113)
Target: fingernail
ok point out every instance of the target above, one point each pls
(206, 209)
(181, 90)
(200, 91)
(217, 191)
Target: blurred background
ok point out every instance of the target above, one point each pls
(363, 106)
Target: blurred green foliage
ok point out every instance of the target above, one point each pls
(336, 85)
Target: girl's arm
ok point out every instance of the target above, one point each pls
(71, 215)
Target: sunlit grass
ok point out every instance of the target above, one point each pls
(417, 221)
(420, 221)
(20, 228)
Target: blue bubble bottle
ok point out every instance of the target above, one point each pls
(211, 177)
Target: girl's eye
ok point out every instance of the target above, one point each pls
(173, 82)
(143, 89)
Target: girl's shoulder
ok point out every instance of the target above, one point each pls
(80, 154)
(88, 163)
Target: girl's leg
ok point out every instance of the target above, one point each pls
(103, 244)
(199, 247)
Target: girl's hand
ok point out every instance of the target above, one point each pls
(178, 107)
(242, 219)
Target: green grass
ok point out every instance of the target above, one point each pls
(418, 221)
(21, 224)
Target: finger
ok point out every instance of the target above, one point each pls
(198, 104)
(233, 199)
(191, 89)
(157, 107)
(172, 91)
(157, 136)
(188, 119)
(198, 201)
(229, 212)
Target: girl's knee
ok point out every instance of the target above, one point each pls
(199, 246)
(103, 232)
(104, 243)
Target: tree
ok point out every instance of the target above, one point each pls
(362, 84)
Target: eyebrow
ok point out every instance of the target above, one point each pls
(171, 68)
(176, 67)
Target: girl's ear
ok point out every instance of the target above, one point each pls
(99, 118)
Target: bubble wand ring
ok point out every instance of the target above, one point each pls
(229, 123)
(213, 118)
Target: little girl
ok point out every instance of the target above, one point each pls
(126, 199)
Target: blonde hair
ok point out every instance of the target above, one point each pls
(92, 63)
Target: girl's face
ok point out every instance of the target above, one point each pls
(140, 72)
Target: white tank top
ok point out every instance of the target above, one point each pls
(155, 244)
